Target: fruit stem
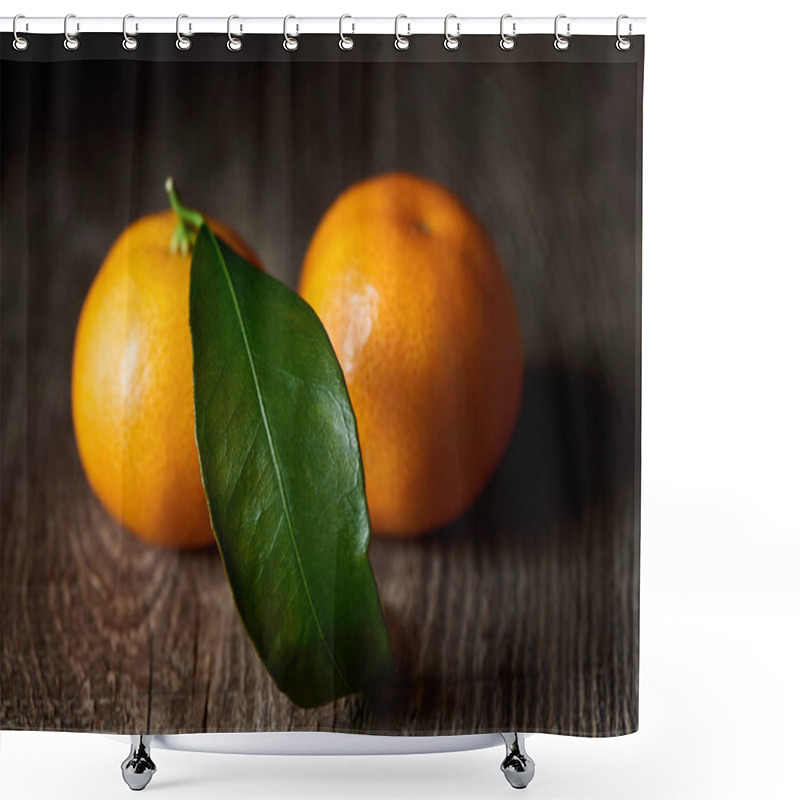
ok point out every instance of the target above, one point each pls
(189, 222)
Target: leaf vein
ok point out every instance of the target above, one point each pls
(281, 486)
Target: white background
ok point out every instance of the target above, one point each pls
(720, 703)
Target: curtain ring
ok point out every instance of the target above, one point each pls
(346, 42)
(507, 42)
(623, 43)
(71, 42)
(20, 42)
(401, 42)
(561, 42)
(182, 42)
(451, 42)
(234, 42)
(129, 42)
(290, 42)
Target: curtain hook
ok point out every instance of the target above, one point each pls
(129, 42)
(20, 42)
(182, 42)
(234, 42)
(507, 42)
(561, 42)
(401, 42)
(71, 42)
(451, 42)
(346, 42)
(290, 42)
(623, 43)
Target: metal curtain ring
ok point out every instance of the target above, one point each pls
(451, 42)
(182, 42)
(561, 42)
(507, 41)
(346, 42)
(289, 42)
(401, 42)
(623, 43)
(129, 42)
(234, 42)
(70, 42)
(20, 42)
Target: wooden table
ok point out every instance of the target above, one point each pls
(523, 615)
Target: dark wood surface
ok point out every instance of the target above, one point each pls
(523, 615)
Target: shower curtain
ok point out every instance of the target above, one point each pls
(320, 385)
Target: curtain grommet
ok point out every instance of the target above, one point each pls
(561, 42)
(20, 43)
(623, 43)
(290, 43)
(508, 41)
(402, 42)
(182, 42)
(451, 42)
(346, 42)
(71, 43)
(129, 42)
(234, 43)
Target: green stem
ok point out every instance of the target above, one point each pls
(189, 222)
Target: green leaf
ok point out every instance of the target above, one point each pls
(282, 472)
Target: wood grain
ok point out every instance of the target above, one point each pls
(523, 615)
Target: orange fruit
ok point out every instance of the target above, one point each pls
(422, 318)
(132, 398)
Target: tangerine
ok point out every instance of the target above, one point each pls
(412, 294)
(132, 387)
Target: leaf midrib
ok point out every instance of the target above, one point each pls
(275, 463)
